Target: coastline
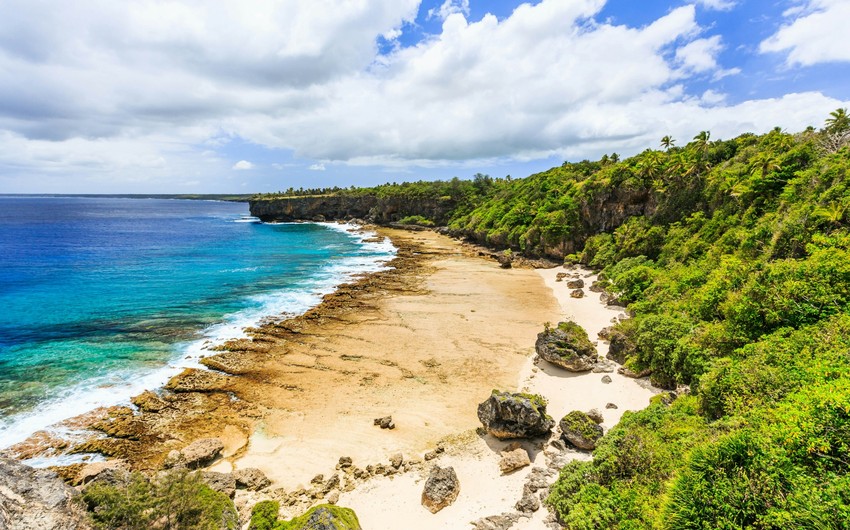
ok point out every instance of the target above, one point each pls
(424, 340)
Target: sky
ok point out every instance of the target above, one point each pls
(246, 96)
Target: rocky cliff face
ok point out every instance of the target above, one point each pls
(333, 208)
(35, 499)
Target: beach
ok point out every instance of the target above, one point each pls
(424, 342)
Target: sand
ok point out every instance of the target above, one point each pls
(383, 503)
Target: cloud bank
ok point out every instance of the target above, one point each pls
(148, 92)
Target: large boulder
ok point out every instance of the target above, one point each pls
(220, 482)
(567, 346)
(580, 430)
(326, 517)
(507, 415)
(36, 499)
(575, 284)
(441, 488)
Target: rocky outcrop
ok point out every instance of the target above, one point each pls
(567, 346)
(577, 283)
(580, 430)
(441, 489)
(197, 454)
(506, 415)
(36, 499)
(337, 207)
(220, 482)
(251, 478)
(620, 345)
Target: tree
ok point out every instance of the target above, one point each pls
(667, 142)
(836, 134)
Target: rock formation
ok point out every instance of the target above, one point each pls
(507, 415)
(441, 489)
(580, 430)
(567, 346)
(36, 499)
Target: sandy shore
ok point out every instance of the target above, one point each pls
(424, 342)
(384, 501)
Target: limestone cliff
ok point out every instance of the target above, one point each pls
(343, 207)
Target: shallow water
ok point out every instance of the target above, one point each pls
(103, 297)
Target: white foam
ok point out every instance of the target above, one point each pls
(117, 388)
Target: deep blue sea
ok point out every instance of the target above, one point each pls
(101, 298)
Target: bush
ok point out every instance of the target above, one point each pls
(174, 501)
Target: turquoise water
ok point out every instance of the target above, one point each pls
(101, 297)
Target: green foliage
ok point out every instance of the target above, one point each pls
(176, 500)
(416, 220)
(264, 516)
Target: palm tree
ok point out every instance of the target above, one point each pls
(667, 142)
(701, 140)
(838, 121)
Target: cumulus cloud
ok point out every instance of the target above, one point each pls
(717, 5)
(449, 7)
(149, 91)
(243, 165)
(317, 167)
(815, 34)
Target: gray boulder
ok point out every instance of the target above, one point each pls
(37, 499)
(507, 415)
(567, 346)
(441, 488)
(575, 284)
(252, 478)
(580, 430)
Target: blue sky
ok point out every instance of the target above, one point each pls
(243, 96)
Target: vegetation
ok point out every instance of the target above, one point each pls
(264, 516)
(176, 500)
(734, 256)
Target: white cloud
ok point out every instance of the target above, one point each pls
(242, 165)
(816, 34)
(317, 167)
(146, 92)
(718, 5)
(449, 7)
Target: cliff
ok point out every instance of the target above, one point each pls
(371, 208)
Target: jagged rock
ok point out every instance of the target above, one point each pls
(536, 480)
(559, 277)
(397, 460)
(595, 415)
(221, 482)
(604, 366)
(385, 423)
(508, 415)
(37, 499)
(326, 517)
(528, 503)
(431, 455)
(577, 293)
(513, 457)
(344, 462)
(333, 498)
(112, 476)
(251, 478)
(596, 287)
(505, 260)
(620, 346)
(575, 284)
(567, 346)
(201, 452)
(496, 522)
(91, 472)
(611, 406)
(581, 431)
(606, 379)
(147, 401)
(441, 488)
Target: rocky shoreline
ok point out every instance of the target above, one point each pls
(224, 404)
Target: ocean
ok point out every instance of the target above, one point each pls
(101, 298)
